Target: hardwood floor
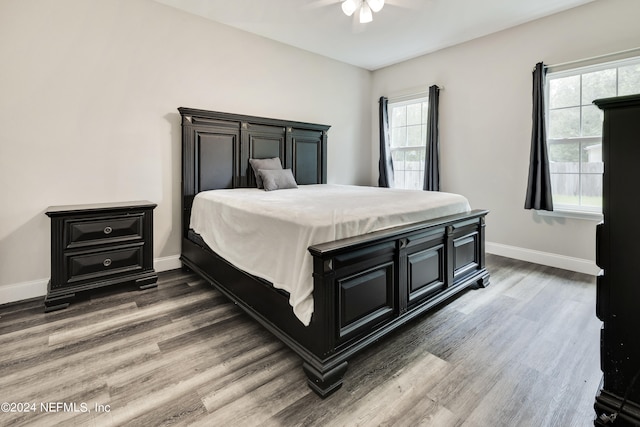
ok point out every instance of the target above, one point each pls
(522, 352)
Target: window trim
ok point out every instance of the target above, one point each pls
(568, 213)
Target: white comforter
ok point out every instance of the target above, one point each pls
(267, 233)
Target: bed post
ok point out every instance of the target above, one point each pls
(324, 370)
(325, 382)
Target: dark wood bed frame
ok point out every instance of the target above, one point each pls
(364, 287)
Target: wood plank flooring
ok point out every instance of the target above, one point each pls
(522, 352)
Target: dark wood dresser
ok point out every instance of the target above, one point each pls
(618, 254)
(94, 246)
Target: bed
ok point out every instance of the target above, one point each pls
(362, 286)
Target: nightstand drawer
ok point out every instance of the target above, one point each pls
(103, 230)
(89, 266)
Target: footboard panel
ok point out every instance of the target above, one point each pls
(425, 265)
(467, 256)
(365, 281)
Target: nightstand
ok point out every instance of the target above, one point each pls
(99, 245)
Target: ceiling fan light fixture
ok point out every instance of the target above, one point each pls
(376, 5)
(349, 6)
(367, 7)
(365, 14)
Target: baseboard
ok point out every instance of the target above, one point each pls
(23, 291)
(38, 288)
(545, 258)
(167, 263)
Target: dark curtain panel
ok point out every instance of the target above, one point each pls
(432, 155)
(385, 165)
(539, 186)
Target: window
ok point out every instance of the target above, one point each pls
(408, 134)
(574, 129)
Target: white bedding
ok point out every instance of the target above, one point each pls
(267, 233)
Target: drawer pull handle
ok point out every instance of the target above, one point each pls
(106, 262)
(108, 230)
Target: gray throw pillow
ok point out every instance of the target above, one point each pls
(266, 164)
(277, 179)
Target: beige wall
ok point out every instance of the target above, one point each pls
(485, 120)
(88, 97)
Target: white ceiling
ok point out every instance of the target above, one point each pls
(403, 29)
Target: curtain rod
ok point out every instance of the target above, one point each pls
(623, 54)
(415, 93)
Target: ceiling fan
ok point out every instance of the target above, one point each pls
(362, 10)
(367, 7)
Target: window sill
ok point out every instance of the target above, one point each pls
(589, 216)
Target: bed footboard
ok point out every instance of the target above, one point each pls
(367, 286)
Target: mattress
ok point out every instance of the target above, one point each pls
(267, 233)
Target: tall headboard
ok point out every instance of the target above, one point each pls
(216, 148)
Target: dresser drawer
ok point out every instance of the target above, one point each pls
(99, 264)
(103, 230)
